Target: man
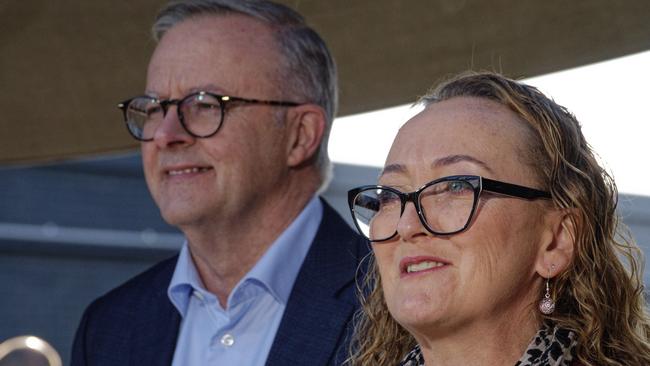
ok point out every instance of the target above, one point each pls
(239, 100)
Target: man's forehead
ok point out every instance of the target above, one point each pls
(236, 38)
(222, 26)
(231, 53)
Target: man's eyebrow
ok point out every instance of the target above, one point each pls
(453, 159)
(206, 87)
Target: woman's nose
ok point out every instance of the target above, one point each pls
(409, 224)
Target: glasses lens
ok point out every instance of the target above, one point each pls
(447, 206)
(377, 212)
(201, 114)
(142, 117)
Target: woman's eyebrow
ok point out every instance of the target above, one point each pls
(454, 159)
(393, 168)
(438, 163)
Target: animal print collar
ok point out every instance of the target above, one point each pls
(550, 347)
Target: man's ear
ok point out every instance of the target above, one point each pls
(558, 243)
(306, 124)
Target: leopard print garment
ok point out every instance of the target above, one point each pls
(550, 347)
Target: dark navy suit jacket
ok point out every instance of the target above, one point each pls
(136, 324)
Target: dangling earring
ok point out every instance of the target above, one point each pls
(547, 305)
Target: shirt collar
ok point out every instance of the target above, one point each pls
(279, 266)
(184, 282)
(276, 271)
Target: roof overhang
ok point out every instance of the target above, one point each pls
(65, 64)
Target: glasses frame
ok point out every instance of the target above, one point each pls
(224, 101)
(478, 182)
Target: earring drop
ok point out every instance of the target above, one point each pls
(547, 305)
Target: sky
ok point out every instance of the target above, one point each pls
(609, 98)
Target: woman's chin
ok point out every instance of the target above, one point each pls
(418, 313)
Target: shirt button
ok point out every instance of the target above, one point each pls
(227, 340)
(198, 295)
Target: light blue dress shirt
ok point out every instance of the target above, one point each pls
(243, 332)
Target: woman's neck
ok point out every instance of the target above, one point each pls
(497, 342)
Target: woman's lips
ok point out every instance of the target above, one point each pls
(410, 266)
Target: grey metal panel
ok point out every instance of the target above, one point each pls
(106, 194)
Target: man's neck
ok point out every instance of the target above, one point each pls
(224, 251)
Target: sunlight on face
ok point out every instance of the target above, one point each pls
(436, 284)
(196, 179)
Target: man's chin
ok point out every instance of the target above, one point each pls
(179, 217)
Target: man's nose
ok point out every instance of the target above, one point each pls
(170, 131)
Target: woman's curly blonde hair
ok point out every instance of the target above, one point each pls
(600, 295)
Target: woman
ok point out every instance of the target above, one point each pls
(493, 231)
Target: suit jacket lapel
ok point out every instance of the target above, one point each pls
(323, 299)
(156, 326)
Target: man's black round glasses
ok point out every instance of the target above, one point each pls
(201, 114)
(445, 206)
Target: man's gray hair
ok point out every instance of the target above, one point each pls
(309, 68)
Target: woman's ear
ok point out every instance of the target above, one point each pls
(306, 124)
(558, 243)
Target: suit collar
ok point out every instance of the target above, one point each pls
(157, 327)
(323, 298)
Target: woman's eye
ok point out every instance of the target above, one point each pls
(387, 197)
(458, 187)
